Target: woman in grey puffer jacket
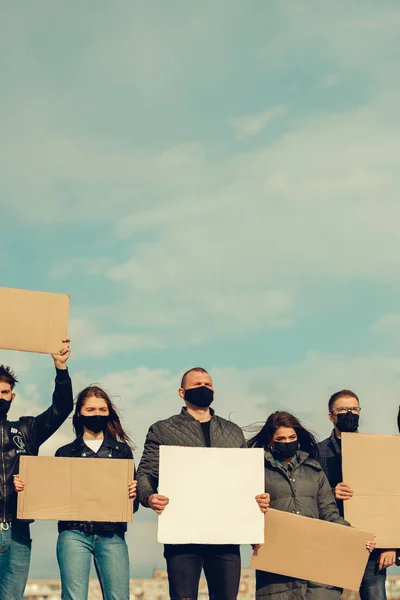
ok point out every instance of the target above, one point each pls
(297, 484)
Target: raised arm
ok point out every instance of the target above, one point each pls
(44, 425)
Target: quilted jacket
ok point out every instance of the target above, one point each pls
(181, 430)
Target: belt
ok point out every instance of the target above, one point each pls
(90, 527)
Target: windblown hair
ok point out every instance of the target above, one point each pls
(195, 369)
(280, 418)
(7, 375)
(114, 427)
(341, 394)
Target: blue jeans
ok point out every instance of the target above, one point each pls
(15, 556)
(74, 554)
(373, 583)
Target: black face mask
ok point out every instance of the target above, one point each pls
(283, 450)
(201, 396)
(347, 422)
(5, 406)
(95, 423)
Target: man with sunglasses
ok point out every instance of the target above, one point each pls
(344, 413)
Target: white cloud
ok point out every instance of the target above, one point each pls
(90, 340)
(330, 80)
(251, 125)
(387, 324)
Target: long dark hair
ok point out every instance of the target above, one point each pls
(114, 427)
(281, 418)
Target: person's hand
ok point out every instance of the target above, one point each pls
(343, 491)
(371, 546)
(158, 503)
(60, 359)
(256, 547)
(263, 501)
(132, 490)
(387, 558)
(18, 484)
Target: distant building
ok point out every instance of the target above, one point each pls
(156, 588)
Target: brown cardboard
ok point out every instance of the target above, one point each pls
(33, 321)
(372, 470)
(312, 549)
(75, 489)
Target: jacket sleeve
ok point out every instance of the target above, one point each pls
(327, 507)
(147, 474)
(44, 425)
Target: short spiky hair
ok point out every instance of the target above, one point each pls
(341, 394)
(196, 369)
(8, 376)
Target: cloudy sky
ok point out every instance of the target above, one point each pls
(214, 184)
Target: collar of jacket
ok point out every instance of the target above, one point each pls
(337, 448)
(108, 441)
(186, 415)
(302, 458)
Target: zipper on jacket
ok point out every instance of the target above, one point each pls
(4, 472)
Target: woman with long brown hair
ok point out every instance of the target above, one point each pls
(296, 483)
(99, 434)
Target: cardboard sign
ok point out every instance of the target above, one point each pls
(312, 549)
(75, 489)
(211, 495)
(33, 321)
(371, 469)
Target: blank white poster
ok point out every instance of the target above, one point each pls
(211, 495)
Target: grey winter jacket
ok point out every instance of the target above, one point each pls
(181, 430)
(303, 491)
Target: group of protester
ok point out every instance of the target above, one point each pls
(302, 476)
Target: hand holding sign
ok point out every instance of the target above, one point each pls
(60, 359)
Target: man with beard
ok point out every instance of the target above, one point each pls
(344, 413)
(197, 426)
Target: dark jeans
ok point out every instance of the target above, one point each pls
(15, 555)
(221, 564)
(373, 583)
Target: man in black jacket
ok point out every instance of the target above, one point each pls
(24, 437)
(344, 411)
(198, 426)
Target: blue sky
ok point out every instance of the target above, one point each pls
(213, 183)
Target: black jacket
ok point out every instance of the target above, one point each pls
(25, 436)
(181, 430)
(110, 448)
(330, 458)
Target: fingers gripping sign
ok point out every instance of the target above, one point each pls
(60, 359)
(263, 501)
(343, 491)
(158, 502)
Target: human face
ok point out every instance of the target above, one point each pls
(93, 405)
(285, 435)
(344, 405)
(196, 379)
(6, 392)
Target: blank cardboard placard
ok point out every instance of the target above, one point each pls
(371, 469)
(312, 549)
(75, 489)
(211, 495)
(33, 321)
